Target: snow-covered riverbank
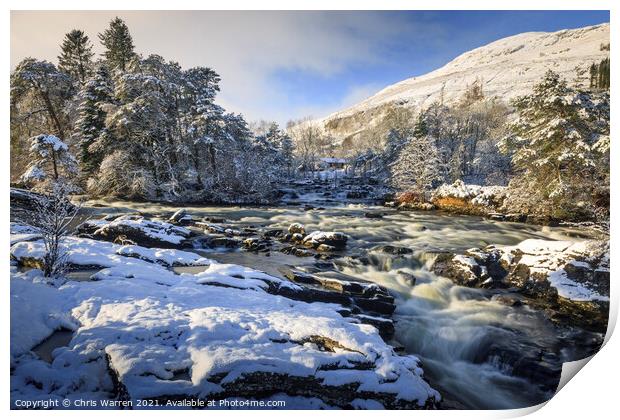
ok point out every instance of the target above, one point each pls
(143, 331)
(158, 321)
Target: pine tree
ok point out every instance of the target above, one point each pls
(118, 43)
(593, 76)
(420, 127)
(603, 74)
(51, 162)
(76, 55)
(90, 125)
(554, 145)
(282, 148)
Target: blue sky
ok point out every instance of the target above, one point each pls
(284, 65)
(456, 32)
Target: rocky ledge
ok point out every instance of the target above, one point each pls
(469, 199)
(140, 330)
(568, 280)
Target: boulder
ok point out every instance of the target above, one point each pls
(181, 217)
(326, 248)
(393, 250)
(135, 229)
(256, 244)
(297, 228)
(358, 294)
(337, 240)
(298, 252)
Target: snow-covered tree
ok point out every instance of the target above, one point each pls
(51, 162)
(559, 145)
(52, 216)
(418, 166)
(90, 125)
(310, 142)
(281, 149)
(38, 87)
(76, 55)
(119, 48)
(145, 127)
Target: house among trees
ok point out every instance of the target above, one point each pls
(332, 163)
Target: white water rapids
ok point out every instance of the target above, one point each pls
(459, 333)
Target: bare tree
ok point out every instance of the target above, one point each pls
(53, 216)
(310, 142)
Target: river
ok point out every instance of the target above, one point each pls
(463, 336)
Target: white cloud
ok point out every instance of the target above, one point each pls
(245, 48)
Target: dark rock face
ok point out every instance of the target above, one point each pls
(273, 233)
(256, 244)
(393, 250)
(298, 252)
(332, 287)
(469, 275)
(24, 199)
(265, 384)
(216, 241)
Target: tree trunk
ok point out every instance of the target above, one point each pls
(54, 163)
(54, 117)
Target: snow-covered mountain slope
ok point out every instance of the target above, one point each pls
(506, 68)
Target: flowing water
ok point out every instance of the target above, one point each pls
(462, 335)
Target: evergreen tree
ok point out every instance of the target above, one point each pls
(50, 162)
(118, 44)
(593, 76)
(76, 55)
(603, 74)
(282, 148)
(556, 144)
(421, 127)
(96, 92)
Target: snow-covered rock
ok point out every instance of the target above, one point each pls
(83, 252)
(506, 68)
(142, 331)
(137, 230)
(337, 240)
(579, 271)
(537, 261)
(181, 217)
(571, 278)
(297, 228)
(484, 196)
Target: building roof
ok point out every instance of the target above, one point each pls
(333, 160)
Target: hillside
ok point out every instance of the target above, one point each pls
(506, 68)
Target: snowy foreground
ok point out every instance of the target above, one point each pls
(142, 331)
(123, 325)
